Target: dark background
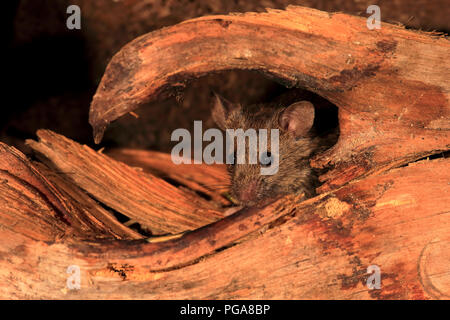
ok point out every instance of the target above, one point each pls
(52, 72)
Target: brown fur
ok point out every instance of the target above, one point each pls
(294, 172)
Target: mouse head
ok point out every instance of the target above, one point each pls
(294, 148)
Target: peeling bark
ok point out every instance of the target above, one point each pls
(381, 80)
(377, 206)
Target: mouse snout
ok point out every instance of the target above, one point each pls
(248, 192)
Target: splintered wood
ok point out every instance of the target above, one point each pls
(380, 205)
(149, 200)
(384, 220)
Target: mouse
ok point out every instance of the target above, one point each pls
(298, 142)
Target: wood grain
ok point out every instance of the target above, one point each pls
(151, 201)
(378, 205)
(391, 85)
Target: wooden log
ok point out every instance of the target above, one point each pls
(377, 78)
(319, 248)
(376, 207)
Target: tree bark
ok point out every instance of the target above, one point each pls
(377, 78)
(378, 205)
(319, 248)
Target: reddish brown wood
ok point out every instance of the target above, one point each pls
(142, 197)
(391, 85)
(211, 180)
(319, 248)
(39, 204)
(378, 206)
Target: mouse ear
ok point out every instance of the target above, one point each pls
(298, 118)
(222, 110)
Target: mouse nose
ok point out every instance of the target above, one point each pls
(248, 192)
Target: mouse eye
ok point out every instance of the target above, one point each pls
(266, 159)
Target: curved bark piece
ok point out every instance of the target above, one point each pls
(295, 46)
(391, 85)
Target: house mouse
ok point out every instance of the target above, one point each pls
(298, 142)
